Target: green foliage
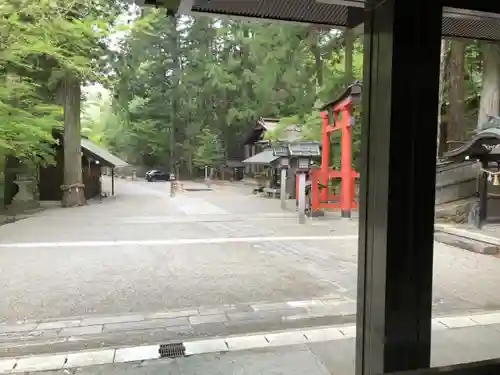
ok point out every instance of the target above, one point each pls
(173, 78)
(183, 90)
(24, 116)
(26, 120)
(42, 42)
(209, 151)
(176, 78)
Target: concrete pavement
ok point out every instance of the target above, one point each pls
(41, 282)
(316, 351)
(94, 332)
(143, 253)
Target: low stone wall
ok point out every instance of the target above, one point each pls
(455, 181)
(456, 187)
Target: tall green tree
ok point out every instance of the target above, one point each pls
(173, 79)
(209, 151)
(203, 72)
(490, 90)
(49, 49)
(26, 117)
(81, 30)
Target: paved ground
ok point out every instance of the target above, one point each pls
(335, 357)
(142, 253)
(52, 279)
(94, 332)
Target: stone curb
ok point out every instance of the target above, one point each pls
(75, 333)
(465, 233)
(466, 243)
(61, 361)
(298, 306)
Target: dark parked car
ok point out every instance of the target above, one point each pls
(157, 175)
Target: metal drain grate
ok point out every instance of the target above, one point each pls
(172, 350)
(198, 189)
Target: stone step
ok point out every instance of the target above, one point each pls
(466, 243)
(463, 231)
(127, 334)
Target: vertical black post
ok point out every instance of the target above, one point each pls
(112, 181)
(483, 195)
(400, 101)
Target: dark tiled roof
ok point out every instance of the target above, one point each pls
(101, 154)
(308, 11)
(456, 23)
(485, 142)
(265, 157)
(304, 149)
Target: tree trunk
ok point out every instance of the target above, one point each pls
(318, 63)
(490, 96)
(349, 50)
(176, 73)
(457, 130)
(318, 59)
(441, 135)
(73, 188)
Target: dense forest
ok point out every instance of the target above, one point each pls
(164, 90)
(183, 83)
(180, 84)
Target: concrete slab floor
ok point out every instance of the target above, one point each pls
(449, 347)
(294, 360)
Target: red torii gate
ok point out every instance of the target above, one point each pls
(340, 111)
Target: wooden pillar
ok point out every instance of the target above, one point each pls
(483, 196)
(400, 101)
(325, 155)
(254, 167)
(347, 182)
(246, 150)
(112, 181)
(283, 187)
(301, 193)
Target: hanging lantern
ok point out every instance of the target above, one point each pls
(496, 180)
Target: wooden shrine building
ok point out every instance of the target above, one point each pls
(94, 158)
(484, 147)
(253, 142)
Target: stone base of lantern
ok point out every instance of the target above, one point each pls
(24, 200)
